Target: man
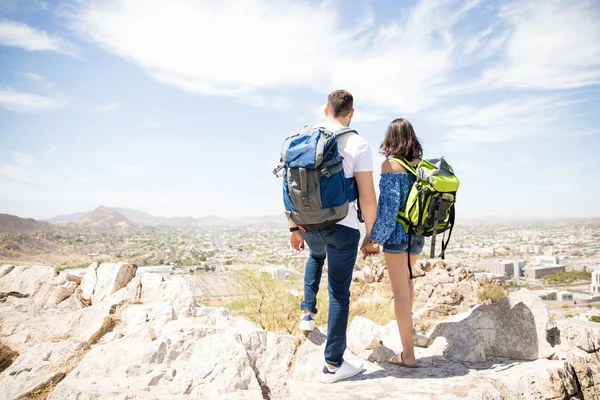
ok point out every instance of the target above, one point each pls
(338, 242)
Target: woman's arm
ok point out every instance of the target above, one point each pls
(389, 202)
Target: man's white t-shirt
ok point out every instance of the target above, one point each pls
(357, 158)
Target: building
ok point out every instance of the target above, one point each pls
(503, 267)
(531, 249)
(564, 296)
(509, 268)
(595, 285)
(539, 271)
(546, 294)
(280, 272)
(546, 260)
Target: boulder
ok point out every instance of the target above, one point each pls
(51, 295)
(100, 281)
(514, 327)
(25, 280)
(187, 359)
(36, 369)
(270, 356)
(88, 283)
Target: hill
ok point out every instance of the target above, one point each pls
(105, 220)
(143, 218)
(14, 224)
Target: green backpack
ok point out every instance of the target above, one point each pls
(430, 204)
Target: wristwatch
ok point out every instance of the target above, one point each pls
(294, 229)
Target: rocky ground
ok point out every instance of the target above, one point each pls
(118, 335)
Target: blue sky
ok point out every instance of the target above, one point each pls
(179, 108)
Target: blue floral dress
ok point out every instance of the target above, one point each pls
(393, 193)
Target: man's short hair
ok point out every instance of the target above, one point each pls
(340, 103)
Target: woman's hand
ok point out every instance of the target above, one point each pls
(369, 248)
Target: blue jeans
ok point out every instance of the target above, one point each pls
(340, 244)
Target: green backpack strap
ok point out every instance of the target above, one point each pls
(405, 164)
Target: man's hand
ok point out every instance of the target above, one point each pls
(297, 242)
(369, 248)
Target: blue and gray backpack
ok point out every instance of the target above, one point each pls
(315, 191)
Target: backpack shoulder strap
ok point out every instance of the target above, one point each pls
(405, 164)
(344, 131)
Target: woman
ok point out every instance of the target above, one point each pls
(399, 143)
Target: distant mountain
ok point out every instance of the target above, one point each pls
(64, 219)
(105, 220)
(136, 216)
(143, 218)
(14, 224)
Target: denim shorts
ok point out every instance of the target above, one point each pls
(416, 246)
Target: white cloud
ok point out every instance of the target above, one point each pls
(554, 44)
(38, 79)
(21, 159)
(28, 102)
(32, 76)
(255, 50)
(24, 36)
(109, 107)
(51, 150)
(503, 121)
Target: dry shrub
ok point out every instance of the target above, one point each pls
(274, 305)
(491, 293)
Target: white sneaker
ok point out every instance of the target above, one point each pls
(346, 371)
(307, 323)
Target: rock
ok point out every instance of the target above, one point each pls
(188, 359)
(110, 278)
(7, 356)
(381, 354)
(363, 334)
(25, 280)
(540, 379)
(101, 281)
(52, 295)
(36, 368)
(151, 289)
(579, 336)
(88, 283)
(514, 327)
(270, 356)
(310, 357)
(5, 269)
(175, 300)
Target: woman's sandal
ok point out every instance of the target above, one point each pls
(398, 360)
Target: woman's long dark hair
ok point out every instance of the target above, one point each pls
(401, 141)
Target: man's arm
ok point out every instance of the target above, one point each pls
(296, 239)
(367, 198)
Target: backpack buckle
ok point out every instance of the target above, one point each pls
(325, 172)
(278, 169)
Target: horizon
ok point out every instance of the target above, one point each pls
(489, 218)
(164, 108)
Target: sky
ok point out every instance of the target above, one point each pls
(180, 108)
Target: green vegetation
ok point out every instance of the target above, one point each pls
(491, 292)
(274, 305)
(595, 318)
(567, 277)
(569, 316)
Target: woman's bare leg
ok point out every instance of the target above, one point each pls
(397, 265)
